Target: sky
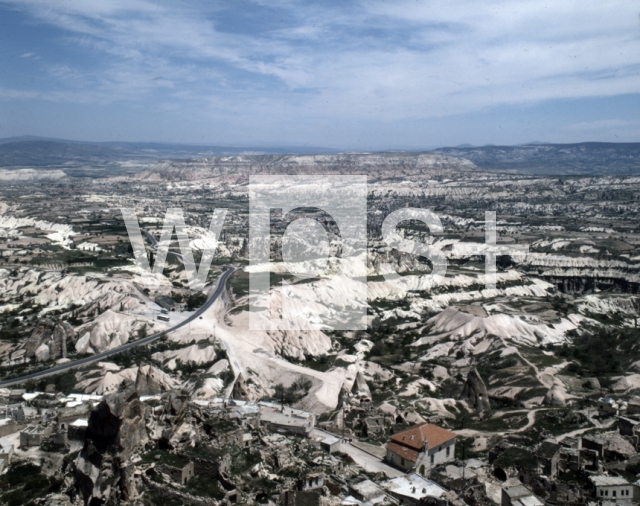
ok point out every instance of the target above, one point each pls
(349, 75)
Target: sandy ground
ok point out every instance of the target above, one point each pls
(250, 356)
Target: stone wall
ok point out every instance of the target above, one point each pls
(10, 428)
(181, 496)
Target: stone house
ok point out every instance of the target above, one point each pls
(366, 491)
(58, 438)
(34, 435)
(519, 495)
(16, 394)
(413, 489)
(330, 444)
(627, 425)
(177, 474)
(548, 454)
(166, 303)
(20, 413)
(594, 443)
(633, 405)
(420, 448)
(608, 407)
(614, 488)
(608, 446)
(377, 424)
(311, 481)
(287, 420)
(6, 452)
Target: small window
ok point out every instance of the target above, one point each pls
(432, 458)
(614, 493)
(448, 451)
(402, 461)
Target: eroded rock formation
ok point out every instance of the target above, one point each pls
(49, 340)
(240, 389)
(475, 392)
(116, 428)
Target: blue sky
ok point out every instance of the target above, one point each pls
(350, 75)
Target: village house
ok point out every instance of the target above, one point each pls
(420, 448)
(6, 452)
(180, 474)
(365, 491)
(330, 444)
(633, 405)
(34, 435)
(311, 481)
(548, 456)
(166, 303)
(608, 407)
(413, 489)
(286, 420)
(614, 488)
(519, 495)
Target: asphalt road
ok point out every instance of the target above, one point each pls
(211, 298)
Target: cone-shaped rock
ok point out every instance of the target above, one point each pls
(556, 396)
(475, 392)
(360, 387)
(240, 389)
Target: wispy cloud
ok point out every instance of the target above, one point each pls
(372, 61)
(605, 124)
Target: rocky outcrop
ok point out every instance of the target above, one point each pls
(239, 168)
(344, 396)
(63, 334)
(41, 334)
(555, 396)
(360, 389)
(30, 175)
(475, 392)
(174, 413)
(240, 389)
(42, 353)
(151, 380)
(49, 340)
(116, 428)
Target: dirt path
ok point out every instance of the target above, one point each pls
(546, 377)
(531, 419)
(596, 425)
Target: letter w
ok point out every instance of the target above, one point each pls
(174, 218)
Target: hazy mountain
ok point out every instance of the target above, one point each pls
(99, 159)
(29, 151)
(589, 158)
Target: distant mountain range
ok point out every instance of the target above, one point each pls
(28, 151)
(587, 158)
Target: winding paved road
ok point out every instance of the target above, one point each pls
(211, 298)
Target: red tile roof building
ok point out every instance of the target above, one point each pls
(421, 447)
